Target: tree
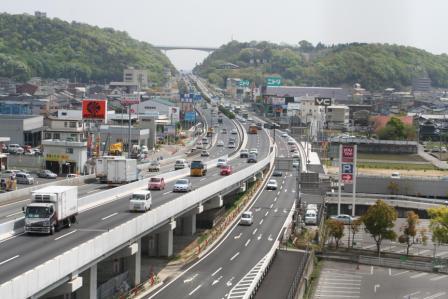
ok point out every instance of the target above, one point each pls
(306, 46)
(439, 224)
(379, 222)
(335, 230)
(395, 129)
(355, 226)
(410, 231)
(393, 187)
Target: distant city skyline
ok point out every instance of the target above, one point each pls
(414, 23)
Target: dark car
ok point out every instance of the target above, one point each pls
(252, 158)
(277, 173)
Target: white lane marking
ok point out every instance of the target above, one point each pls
(270, 207)
(111, 215)
(266, 213)
(13, 214)
(229, 283)
(439, 277)
(202, 179)
(216, 280)
(371, 270)
(197, 288)
(411, 294)
(399, 273)
(255, 231)
(215, 174)
(281, 187)
(247, 243)
(424, 251)
(167, 192)
(259, 236)
(191, 278)
(214, 273)
(91, 191)
(234, 256)
(238, 236)
(67, 234)
(8, 260)
(261, 221)
(286, 190)
(419, 275)
(270, 238)
(390, 271)
(278, 193)
(435, 295)
(276, 210)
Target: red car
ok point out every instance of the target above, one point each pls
(226, 170)
(156, 184)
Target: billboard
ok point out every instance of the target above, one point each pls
(273, 81)
(174, 114)
(347, 162)
(129, 99)
(319, 101)
(94, 109)
(278, 101)
(348, 153)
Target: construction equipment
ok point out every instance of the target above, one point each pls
(116, 149)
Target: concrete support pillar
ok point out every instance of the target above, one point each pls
(136, 264)
(165, 243)
(65, 290)
(189, 225)
(90, 279)
(243, 187)
(214, 203)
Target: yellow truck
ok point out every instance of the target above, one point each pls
(116, 149)
(198, 168)
(210, 132)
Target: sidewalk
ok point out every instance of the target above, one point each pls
(436, 162)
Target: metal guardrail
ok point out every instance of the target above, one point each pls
(297, 276)
(389, 197)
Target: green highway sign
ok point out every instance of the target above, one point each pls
(273, 81)
(243, 83)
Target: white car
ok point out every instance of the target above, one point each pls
(296, 155)
(220, 143)
(253, 151)
(284, 135)
(182, 185)
(233, 132)
(244, 153)
(291, 141)
(222, 162)
(272, 185)
(231, 145)
(311, 217)
(296, 163)
(395, 175)
(247, 218)
(140, 201)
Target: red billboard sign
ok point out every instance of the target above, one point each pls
(348, 153)
(94, 109)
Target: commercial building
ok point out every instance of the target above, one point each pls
(22, 129)
(69, 129)
(336, 93)
(114, 133)
(337, 116)
(63, 157)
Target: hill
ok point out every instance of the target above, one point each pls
(52, 48)
(374, 66)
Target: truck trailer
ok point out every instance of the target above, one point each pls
(121, 171)
(51, 209)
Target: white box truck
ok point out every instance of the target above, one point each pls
(101, 167)
(51, 208)
(122, 171)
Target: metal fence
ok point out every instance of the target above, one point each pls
(303, 260)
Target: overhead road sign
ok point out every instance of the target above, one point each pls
(273, 81)
(244, 83)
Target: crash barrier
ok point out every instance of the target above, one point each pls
(90, 252)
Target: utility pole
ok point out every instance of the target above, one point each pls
(129, 132)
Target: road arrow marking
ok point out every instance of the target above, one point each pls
(191, 278)
(257, 209)
(229, 283)
(376, 286)
(270, 238)
(239, 236)
(216, 280)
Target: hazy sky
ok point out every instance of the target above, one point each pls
(419, 23)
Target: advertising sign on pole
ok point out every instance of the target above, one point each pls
(348, 152)
(94, 109)
(319, 101)
(174, 114)
(129, 99)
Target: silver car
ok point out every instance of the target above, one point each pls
(182, 185)
(24, 178)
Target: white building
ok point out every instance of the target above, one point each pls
(62, 156)
(137, 77)
(337, 116)
(65, 128)
(312, 115)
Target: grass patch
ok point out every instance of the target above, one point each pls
(398, 166)
(391, 157)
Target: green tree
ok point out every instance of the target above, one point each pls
(439, 224)
(395, 129)
(379, 222)
(410, 231)
(335, 230)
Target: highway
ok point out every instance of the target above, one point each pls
(242, 248)
(24, 252)
(10, 211)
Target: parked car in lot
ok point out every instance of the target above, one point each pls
(344, 218)
(226, 170)
(244, 153)
(224, 131)
(156, 183)
(47, 174)
(296, 155)
(311, 217)
(291, 141)
(15, 149)
(247, 218)
(182, 185)
(154, 166)
(272, 185)
(24, 178)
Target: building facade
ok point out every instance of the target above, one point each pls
(22, 129)
(337, 116)
(63, 157)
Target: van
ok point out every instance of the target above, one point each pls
(247, 218)
(395, 175)
(311, 217)
(24, 178)
(311, 207)
(180, 164)
(140, 201)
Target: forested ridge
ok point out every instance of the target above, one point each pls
(374, 66)
(52, 48)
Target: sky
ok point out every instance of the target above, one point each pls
(417, 23)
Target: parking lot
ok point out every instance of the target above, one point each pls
(342, 280)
